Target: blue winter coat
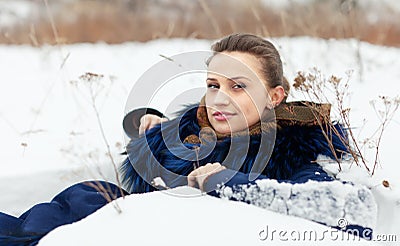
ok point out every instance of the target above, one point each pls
(71, 205)
(292, 160)
(294, 151)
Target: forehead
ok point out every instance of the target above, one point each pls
(234, 64)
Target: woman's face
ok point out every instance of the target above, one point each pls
(236, 94)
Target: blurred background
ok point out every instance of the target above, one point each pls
(39, 22)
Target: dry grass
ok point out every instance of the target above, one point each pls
(121, 20)
(333, 90)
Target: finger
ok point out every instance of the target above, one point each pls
(149, 121)
(218, 169)
(146, 122)
(208, 165)
(192, 182)
(142, 126)
(192, 179)
(193, 173)
(207, 173)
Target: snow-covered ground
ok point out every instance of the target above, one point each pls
(199, 220)
(51, 138)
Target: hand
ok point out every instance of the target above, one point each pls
(199, 176)
(148, 121)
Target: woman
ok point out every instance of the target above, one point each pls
(241, 135)
(245, 86)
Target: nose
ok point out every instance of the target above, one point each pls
(221, 99)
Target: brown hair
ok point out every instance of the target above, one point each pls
(264, 50)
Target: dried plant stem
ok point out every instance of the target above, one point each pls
(328, 136)
(344, 116)
(93, 98)
(91, 80)
(208, 12)
(47, 94)
(315, 87)
(52, 23)
(196, 164)
(312, 85)
(377, 150)
(386, 117)
(106, 193)
(358, 152)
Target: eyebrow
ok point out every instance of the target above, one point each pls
(239, 77)
(232, 78)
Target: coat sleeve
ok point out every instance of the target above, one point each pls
(131, 121)
(343, 206)
(71, 205)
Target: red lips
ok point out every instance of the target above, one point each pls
(222, 116)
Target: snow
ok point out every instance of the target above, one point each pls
(51, 138)
(323, 202)
(173, 220)
(15, 12)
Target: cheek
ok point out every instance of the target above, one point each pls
(253, 108)
(208, 104)
(246, 107)
(210, 97)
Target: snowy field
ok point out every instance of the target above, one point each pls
(51, 138)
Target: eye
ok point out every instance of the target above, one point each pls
(212, 86)
(239, 86)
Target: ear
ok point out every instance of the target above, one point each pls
(277, 94)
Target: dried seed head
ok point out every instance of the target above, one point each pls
(299, 81)
(334, 80)
(385, 183)
(90, 77)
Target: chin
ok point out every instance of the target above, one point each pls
(229, 130)
(223, 129)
